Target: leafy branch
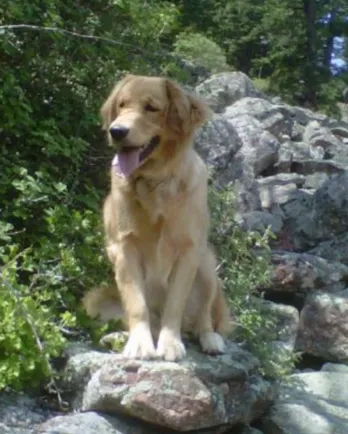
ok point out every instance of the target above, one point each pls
(161, 53)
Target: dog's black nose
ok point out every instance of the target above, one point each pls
(118, 132)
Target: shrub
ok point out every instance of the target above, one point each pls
(262, 84)
(54, 165)
(201, 51)
(40, 287)
(245, 266)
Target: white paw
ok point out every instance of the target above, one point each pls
(140, 344)
(212, 343)
(170, 346)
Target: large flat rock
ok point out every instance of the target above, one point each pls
(199, 392)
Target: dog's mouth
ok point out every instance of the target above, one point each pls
(129, 158)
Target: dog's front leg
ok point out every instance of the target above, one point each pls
(129, 278)
(170, 346)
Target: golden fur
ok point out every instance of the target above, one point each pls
(156, 222)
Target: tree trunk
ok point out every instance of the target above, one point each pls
(310, 68)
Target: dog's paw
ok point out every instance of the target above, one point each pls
(140, 344)
(170, 346)
(212, 343)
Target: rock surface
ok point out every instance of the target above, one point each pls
(286, 320)
(222, 90)
(199, 392)
(323, 328)
(265, 112)
(259, 147)
(335, 249)
(311, 403)
(304, 272)
(334, 367)
(96, 423)
(290, 172)
(21, 414)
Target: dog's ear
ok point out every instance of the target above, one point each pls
(200, 111)
(185, 111)
(108, 110)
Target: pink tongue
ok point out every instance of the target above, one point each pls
(126, 162)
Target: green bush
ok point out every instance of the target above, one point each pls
(54, 163)
(262, 84)
(40, 286)
(330, 94)
(201, 51)
(245, 267)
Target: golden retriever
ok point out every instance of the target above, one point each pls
(156, 221)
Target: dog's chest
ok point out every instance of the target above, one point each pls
(160, 253)
(160, 199)
(162, 239)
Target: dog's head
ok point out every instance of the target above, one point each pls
(148, 120)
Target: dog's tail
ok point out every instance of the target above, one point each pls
(103, 303)
(222, 319)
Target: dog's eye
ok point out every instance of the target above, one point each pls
(151, 108)
(121, 104)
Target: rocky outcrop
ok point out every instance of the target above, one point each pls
(199, 392)
(113, 395)
(323, 328)
(310, 403)
(21, 414)
(92, 422)
(306, 273)
(222, 90)
(289, 168)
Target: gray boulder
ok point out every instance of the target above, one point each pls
(268, 114)
(91, 422)
(302, 115)
(335, 249)
(218, 142)
(340, 130)
(222, 90)
(199, 392)
(310, 166)
(313, 217)
(318, 136)
(278, 189)
(290, 152)
(259, 221)
(323, 328)
(302, 272)
(259, 147)
(310, 403)
(334, 367)
(331, 207)
(297, 131)
(315, 180)
(21, 414)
